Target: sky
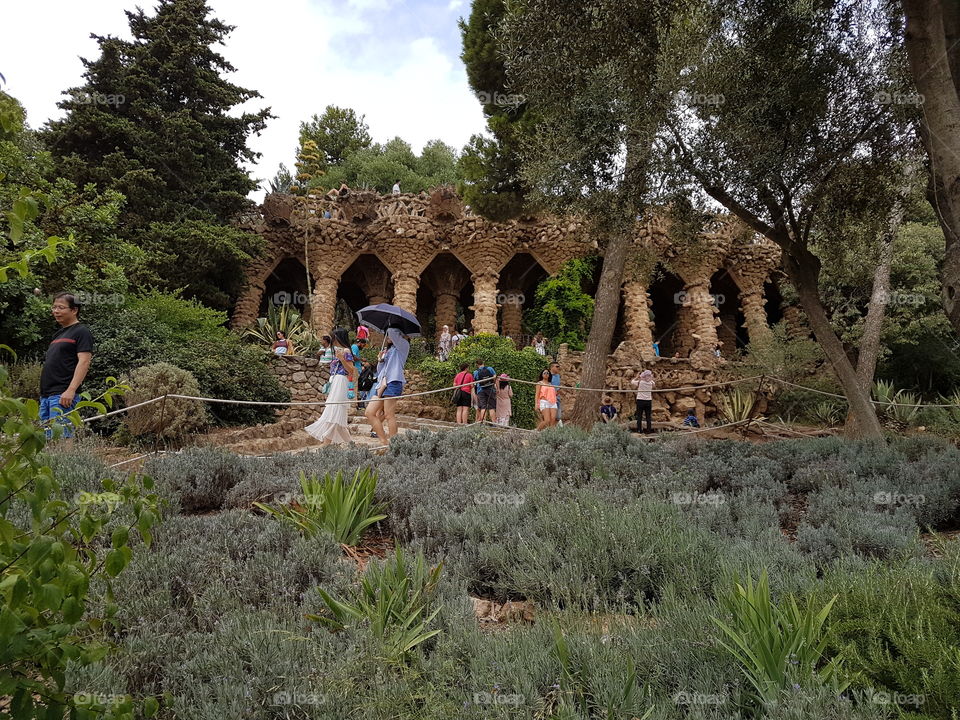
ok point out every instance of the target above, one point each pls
(396, 63)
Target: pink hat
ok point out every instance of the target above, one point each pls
(504, 376)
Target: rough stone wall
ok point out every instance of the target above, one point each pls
(304, 377)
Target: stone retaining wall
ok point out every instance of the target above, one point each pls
(304, 377)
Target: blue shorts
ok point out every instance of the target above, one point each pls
(50, 408)
(393, 389)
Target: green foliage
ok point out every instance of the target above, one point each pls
(562, 311)
(500, 354)
(900, 407)
(736, 404)
(336, 134)
(827, 412)
(379, 166)
(344, 509)
(159, 327)
(898, 627)
(197, 479)
(58, 555)
(285, 319)
(24, 380)
(169, 419)
(395, 598)
(777, 645)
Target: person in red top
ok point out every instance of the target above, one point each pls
(461, 396)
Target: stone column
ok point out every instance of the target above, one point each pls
(512, 313)
(323, 303)
(377, 299)
(446, 313)
(754, 313)
(638, 330)
(405, 286)
(703, 318)
(485, 302)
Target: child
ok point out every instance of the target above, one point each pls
(504, 405)
(691, 419)
(608, 413)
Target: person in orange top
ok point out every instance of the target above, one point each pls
(546, 401)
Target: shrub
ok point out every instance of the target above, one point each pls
(500, 354)
(25, 380)
(197, 479)
(170, 418)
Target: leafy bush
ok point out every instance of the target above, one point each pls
(170, 418)
(344, 510)
(197, 479)
(25, 380)
(561, 309)
(395, 598)
(500, 354)
(166, 328)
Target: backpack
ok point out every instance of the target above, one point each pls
(487, 380)
(366, 379)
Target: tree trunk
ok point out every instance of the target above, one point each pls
(877, 308)
(803, 269)
(594, 370)
(928, 23)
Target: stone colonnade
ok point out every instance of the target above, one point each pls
(427, 241)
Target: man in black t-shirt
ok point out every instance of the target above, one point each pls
(67, 362)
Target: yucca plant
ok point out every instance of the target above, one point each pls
(898, 407)
(394, 598)
(777, 645)
(954, 401)
(736, 405)
(344, 509)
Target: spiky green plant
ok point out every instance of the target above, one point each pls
(826, 413)
(736, 405)
(344, 509)
(284, 318)
(394, 599)
(777, 645)
(900, 407)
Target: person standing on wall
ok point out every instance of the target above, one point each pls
(66, 364)
(644, 384)
(390, 381)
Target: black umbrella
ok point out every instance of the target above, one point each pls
(383, 316)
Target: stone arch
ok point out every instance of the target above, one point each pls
(444, 282)
(287, 285)
(367, 281)
(666, 291)
(519, 278)
(731, 332)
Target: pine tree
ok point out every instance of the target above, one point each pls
(152, 121)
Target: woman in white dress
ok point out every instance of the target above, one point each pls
(331, 426)
(443, 346)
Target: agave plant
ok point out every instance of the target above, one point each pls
(899, 407)
(826, 413)
(394, 598)
(280, 318)
(344, 509)
(736, 405)
(954, 401)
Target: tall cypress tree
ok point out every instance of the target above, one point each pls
(151, 121)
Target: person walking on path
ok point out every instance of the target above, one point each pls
(443, 346)
(545, 401)
(486, 391)
(644, 384)
(66, 364)
(382, 409)
(504, 400)
(332, 424)
(462, 397)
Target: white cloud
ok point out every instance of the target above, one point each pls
(286, 51)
